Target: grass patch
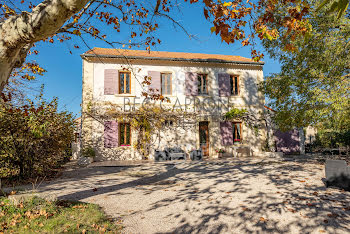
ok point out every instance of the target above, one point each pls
(41, 216)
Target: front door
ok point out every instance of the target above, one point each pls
(204, 137)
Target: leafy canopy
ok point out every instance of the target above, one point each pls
(313, 85)
(232, 21)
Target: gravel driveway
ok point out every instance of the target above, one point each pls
(240, 196)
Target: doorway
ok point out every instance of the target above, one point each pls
(204, 137)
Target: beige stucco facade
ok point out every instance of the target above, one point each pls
(185, 137)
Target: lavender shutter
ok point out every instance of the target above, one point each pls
(224, 84)
(110, 82)
(191, 84)
(226, 133)
(287, 142)
(155, 82)
(111, 134)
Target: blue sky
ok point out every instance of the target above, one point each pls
(63, 78)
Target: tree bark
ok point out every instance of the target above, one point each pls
(18, 33)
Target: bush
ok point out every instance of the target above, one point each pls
(34, 137)
(88, 152)
(332, 139)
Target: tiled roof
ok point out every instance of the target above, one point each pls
(163, 55)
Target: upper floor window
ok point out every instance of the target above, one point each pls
(166, 84)
(202, 84)
(124, 82)
(124, 134)
(234, 81)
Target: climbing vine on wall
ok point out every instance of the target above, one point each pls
(251, 120)
(254, 121)
(146, 121)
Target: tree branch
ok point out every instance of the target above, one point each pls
(17, 32)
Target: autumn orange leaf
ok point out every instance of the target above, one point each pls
(332, 215)
(291, 210)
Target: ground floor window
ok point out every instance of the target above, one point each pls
(168, 123)
(237, 131)
(124, 134)
(231, 132)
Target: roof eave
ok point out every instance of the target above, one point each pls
(172, 59)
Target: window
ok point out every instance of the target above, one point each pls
(124, 134)
(202, 84)
(76, 136)
(234, 81)
(237, 131)
(168, 123)
(124, 82)
(166, 83)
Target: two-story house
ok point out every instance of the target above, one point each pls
(220, 81)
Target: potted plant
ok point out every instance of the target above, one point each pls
(220, 152)
(89, 154)
(236, 141)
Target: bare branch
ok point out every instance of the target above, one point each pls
(70, 25)
(157, 7)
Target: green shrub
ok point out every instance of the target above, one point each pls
(34, 137)
(332, 138)
(88, 152)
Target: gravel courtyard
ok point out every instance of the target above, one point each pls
(239, 196)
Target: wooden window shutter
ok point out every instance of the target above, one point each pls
(226, 133)
(191, 84)
(110, 134)
(110, 81)
(155, 82)
(224, 84)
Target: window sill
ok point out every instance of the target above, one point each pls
(124, 95)
(120, 95)
(168, 95)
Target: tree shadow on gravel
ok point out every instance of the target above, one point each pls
(239, 196)
(295, 205)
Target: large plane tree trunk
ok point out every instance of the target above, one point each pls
(18, 33)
